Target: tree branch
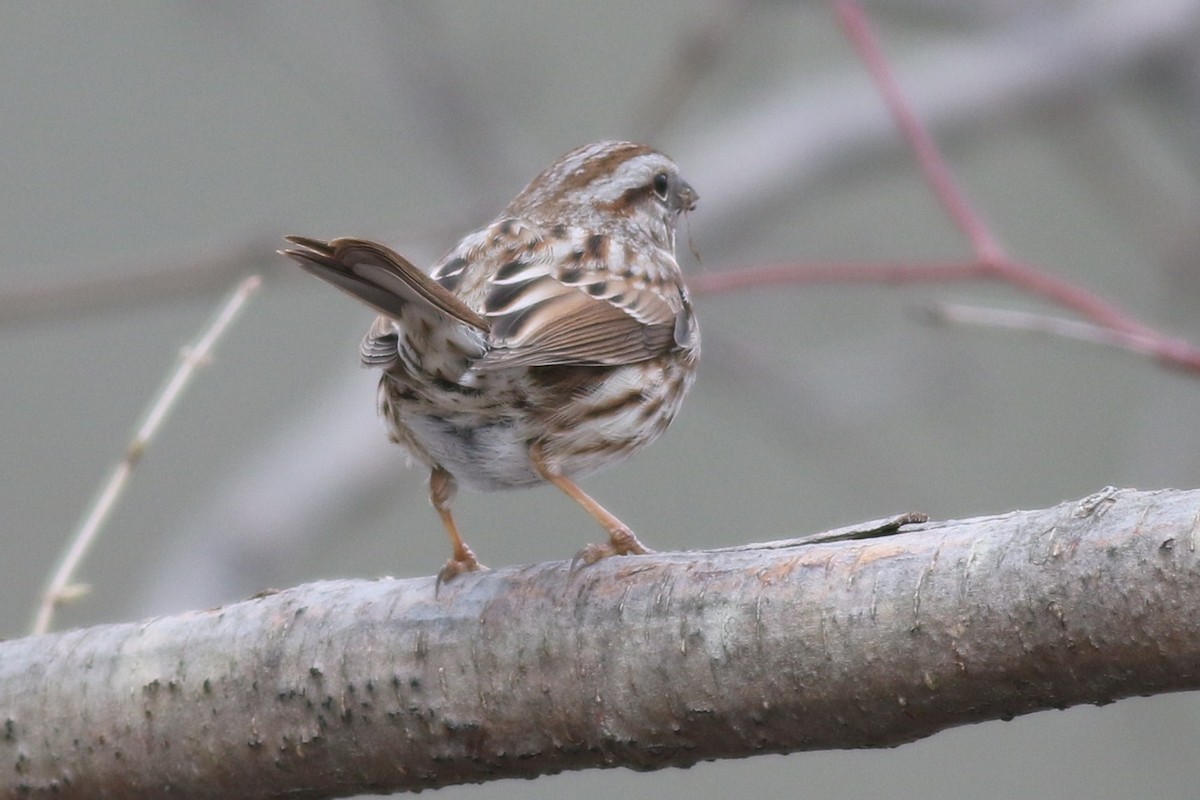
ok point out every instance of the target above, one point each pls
(864, 637)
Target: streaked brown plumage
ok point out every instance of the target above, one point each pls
(553, 342)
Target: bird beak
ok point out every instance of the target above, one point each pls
(685, 196)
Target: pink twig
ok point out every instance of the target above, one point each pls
(989, 260)
(1072, 296)
(835, 272)
(857, 28)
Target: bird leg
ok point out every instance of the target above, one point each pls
(442, 488)
(621, 540)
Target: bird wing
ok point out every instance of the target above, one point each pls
(586, 302)
(577, 300)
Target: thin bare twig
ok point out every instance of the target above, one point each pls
(1034, 322)
(940, 177)
(934, 168)
(59, 587)
(992, 260)
(989, 260)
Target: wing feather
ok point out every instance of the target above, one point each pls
(593, 315)
(531, 312)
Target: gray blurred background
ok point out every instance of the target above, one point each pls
(171, 145)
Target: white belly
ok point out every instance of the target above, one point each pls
(489, 456)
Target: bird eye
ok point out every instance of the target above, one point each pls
(661, 184)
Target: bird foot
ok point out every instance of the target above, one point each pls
(456, 565)
(621, 542)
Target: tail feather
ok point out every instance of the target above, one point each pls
(379, 277)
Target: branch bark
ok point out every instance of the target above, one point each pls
(865, 637)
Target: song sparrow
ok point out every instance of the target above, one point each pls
(552, 343)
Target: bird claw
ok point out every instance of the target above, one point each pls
(621, 542)
(455, 566)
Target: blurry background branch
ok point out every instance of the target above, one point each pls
(867, 637)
